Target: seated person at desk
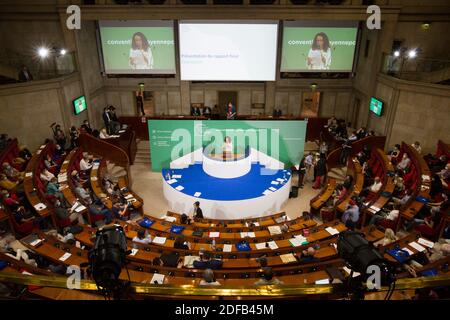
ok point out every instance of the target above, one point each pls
(267, 278)
(394, 153)
(399, 186)
(12, 173)
(120, 211)
(436, 186)
(76, 177)
(376, 186)
(10, 199)
(63, 213)
(389, 237)
(403, 200)
(104, 134)
(99, 208)
(181, 243)
(307, 256)
(404, 163)
(209, 279)
(53, 191)
(22, 216)
(339, 194)
(46, 176)
(82, 193)
(429, 218)
(142, 237)
(392, 215)
(206, 262)
(85, 162)
(351, 216)
(50, 164)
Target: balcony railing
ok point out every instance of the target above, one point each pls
(417, 69)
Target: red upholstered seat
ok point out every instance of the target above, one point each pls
(24, 228)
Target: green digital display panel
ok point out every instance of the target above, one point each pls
(376, 106)
(79, 104)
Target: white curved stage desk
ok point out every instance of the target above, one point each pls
(227, 168)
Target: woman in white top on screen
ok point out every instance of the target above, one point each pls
(141, 56)
(319, 56)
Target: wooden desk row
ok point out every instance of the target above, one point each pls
(355, 170)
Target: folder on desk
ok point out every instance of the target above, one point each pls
(409, 251)
(133, 252)
(171, 181)
(80, 208)
(35, 242)
(40, 206)
(74, 206)
(214, 234)
(227, 247)
(179, 188)
(332, 231)
(197, 194)
(295, 242)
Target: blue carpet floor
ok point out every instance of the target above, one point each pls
(252, 185)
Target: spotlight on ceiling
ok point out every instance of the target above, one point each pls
(43, 52)
(397, 53)
(412, 53)
(62, 52)
(426, 25)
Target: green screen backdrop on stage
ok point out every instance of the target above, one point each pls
(282, 140)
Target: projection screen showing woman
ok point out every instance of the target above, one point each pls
(141, 56)
(319, 56)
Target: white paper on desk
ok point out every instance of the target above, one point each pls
(27, 273)
(169, 218)
(171, 181)
(62, 178)
(158, 278)
(227, 247)
(425, 177)
(40, 206)
(288, 258)
(80, 208)
(260, 246)
(295, 242)
(128, 196)
(280, 180)
(247, 234)
(65, 256)
(322, 281)
(275, 182)
(272, 245)
(35, 242)
(409, 251)
(256, 224)
(176, 176)
(74, 205)
(78, 244)
(38, 152)
(266, 192)
(375, 209)
(331, 231)
(214, 234)
(179, 188)
(159, 240)
(355, 274)
(274, 230)
(426, 243)
(197, 194)
(416, 246)
(133, 252)
(29, 174)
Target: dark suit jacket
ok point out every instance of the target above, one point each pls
(198, 213)
(23, 78)
(210, 264)
(105, 118)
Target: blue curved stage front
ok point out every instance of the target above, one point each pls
(259, 192)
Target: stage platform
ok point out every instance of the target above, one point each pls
(258, 192)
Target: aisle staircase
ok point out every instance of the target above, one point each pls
(338, 173)
(143, 152)
(114, 172)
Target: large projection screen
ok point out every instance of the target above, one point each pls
(138, 47)
(228, 50)
(318, 46)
